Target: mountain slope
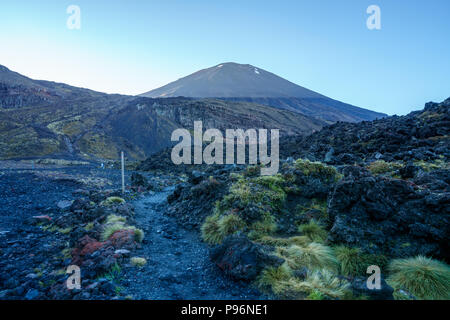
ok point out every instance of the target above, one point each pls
(239, 82)
(420, 135)
(42, 118)
(18, 91)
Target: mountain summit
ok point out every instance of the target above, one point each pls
(244, 82)
(229, 80)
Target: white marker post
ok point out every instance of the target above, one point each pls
(123, 172)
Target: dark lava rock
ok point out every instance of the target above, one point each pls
(242, 259)
(32, 294)
(196, 176)
(408, 171)
(359, 286)
(192, 203)
(81, 204)
(138, 180)
(389, 216)
(420, 135)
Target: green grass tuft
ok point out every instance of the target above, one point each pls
(112, 218)
(353, 262)
(89, 226)
(350, 260)
(138, 262)
(216, 227)
(112, 201)
(270, 276)
(314, 231)
(317, 169)
(110, 228)
(319, 284)
(316, 295)
(284, 242)
(211, 230)
(381, 167)
(264, 227)
(312, 256)
(326, 283)
(230, 224)
(423, 277)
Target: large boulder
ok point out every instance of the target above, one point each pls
(190, 203)
(242, 259)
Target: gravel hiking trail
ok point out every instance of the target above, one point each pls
(178, 264)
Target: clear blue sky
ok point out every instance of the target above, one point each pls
(134, 46)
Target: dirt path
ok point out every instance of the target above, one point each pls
(178, 265)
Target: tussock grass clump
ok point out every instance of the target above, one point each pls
(265, 190)
(138, 234)
(274, 182)
(113, 273)
(211, 230)
(316, 295)
(314, 231)
(270, 276)
(317, 169)
(252, 171)
(353, 262)
(326, 283)
(319, 285)
(318, 205)
(112, 218)
(216, 227)
(112, 201)
(350, 260)
(285, 242)
(424, 277)
(115, 223)
(89, 226)
(138, 262)
(312, 256)
(241, 191)
(381, 166)
(274, 194)
(428, 166)
(266, 226)
(110, 227)
(109, 230)
(65, 230)
(230, 224)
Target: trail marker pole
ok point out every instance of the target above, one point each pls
(123, 172)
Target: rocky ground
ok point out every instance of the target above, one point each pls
(178, 264)
(40, 236)
(34, 252)
(345, 198)
(363, 194)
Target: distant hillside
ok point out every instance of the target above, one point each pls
(17, 91)
(41, 118)
(239, 82)
(420, 135)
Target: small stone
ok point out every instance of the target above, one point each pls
(32, 294)
(64, 204)
(42, 218)
(138, 262)
(123, 252)
(93, 286)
